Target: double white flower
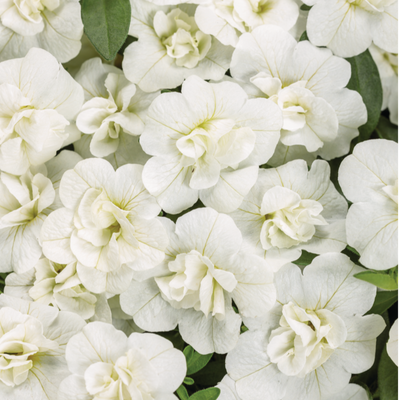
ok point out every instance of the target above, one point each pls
(290, 209)
(369, 179)
(108, 225)
(202, 273)
(54, 25)
(170, 48)
(315, 337)
(320, 115)
(208, 142)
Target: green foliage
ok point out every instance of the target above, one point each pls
(305, 259)
(194, 360)
(303, 36)
(387, 377)
(206, 394)
(383, 279)
(305, 7)
(366, 81)
(182, 393)
(386, 130)
(188, 381)
(106, 24)
(383, 301)
(211, 375)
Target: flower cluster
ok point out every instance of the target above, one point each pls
(221, 183)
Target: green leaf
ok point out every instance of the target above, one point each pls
(386, 130)
(182, 393)
(382, 279)
(106, 24)
(206, 394)
(387, 377)
(305, 7)
(194, 360)
(303, 36)
(305, 259)
(366, 81)
(211, 375)
(188, 381)
(383, 301)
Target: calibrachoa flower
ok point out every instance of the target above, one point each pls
(392, 345)
(228, 19)
(32, 355)
(228, 390)
(49, 283)
(108, 225)
(106, 364)
(290, 209)
(369, 179)
(388, 65)
(25, 202)
(348, 27)
(113, 106)
(170, 48)
(54, 25)
(308, 85)
(208, 142)
(202, 273)
(315, 337)
(351, 392)
(38, 98)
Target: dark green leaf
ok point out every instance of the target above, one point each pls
(303, 36)
(211, 375)
(381, 279)
(182, 393)
(366, 81)
(194, 360)
(305, 259)
(206, 394)
(383, 301)
(386, 130)
(106, 24)
(188, 381)
(387, 377)
(305, 7)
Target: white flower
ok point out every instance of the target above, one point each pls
(113, 106)
(38, 98)
(202, 273)
(106, 364)
(290, 209)
(170, 48)
(228, 19)
(54, 25)
(207, 142)
(228, 389)
(388, 64)
(369, 179)
(315, 337)
(351, 392)
(108, 225)
(49, 283)
(307, 83)
(348, 27)
(32, 348)
(25, 202)
(392, 345)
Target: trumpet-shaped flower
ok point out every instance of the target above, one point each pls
(392, 345)
(228, 19)
(49, 283)
(388, 65)
(54, 25)
(308, 85)
(106, 364)
(315, 337)
(369, 179)
(32, 354)
(290, 209)
(113, 106)
(170, 48)
(208, 143)
(25, 202)
(348, 27)
(38, 98)
(108, 224)
(202, 273)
